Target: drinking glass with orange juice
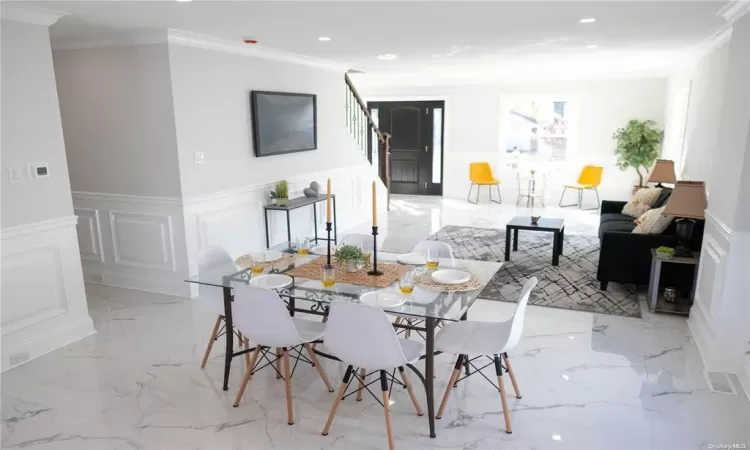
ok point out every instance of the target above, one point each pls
(329, 276)
(433, 259)
(303, 246)
(406, 283)
(258, 262)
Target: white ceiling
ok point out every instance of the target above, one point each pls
(439, 40)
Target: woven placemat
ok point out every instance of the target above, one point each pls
(313, 270)
(286, 260)
(425, 281)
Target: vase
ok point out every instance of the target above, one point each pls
(282, 201)
(351, 266)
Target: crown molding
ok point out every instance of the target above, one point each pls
(206, 42)
(734, 10)
(120, 39)
(30, 14)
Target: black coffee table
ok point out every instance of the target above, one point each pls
(555, 226)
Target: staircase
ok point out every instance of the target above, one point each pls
(373, 144)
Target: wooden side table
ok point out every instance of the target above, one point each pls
(657, 302)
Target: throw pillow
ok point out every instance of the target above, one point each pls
(641, 202)
(652, 222)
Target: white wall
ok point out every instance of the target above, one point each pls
(475, 118)
(31, 131)
(703, 116)
(211, 92)
(116, 108)
(720, 316)
(43, 300)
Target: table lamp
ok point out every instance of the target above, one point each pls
(687, 202)
(662, 172)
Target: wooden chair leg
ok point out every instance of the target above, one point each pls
(248, 376)
(315, 361)
(512, 375)
(211, 341)
(247, 355)
(361, 387)
(387, 409)
(407, 383)
(278, 363)
(288, 385)
(337, 402)
(449, 388)
(503, 399)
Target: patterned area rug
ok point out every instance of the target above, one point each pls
(570, 285)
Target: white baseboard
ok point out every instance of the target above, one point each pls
(43, 298)
(744, 377)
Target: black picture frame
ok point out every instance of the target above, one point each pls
(256, 138)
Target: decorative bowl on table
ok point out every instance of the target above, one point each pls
(535, 220)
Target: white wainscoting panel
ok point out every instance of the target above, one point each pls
(89, 234)
(713, 317)
(142, 242)
(43, 299)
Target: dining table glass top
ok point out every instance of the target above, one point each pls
(421, 302)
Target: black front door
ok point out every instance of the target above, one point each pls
(416, 158)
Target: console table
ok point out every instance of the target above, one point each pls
(296, 203)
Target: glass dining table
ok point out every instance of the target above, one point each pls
(425, 309)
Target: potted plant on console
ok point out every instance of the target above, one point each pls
(638, 145)
(280, 194)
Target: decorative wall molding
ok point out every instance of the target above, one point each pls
(733, 10)
(38, 227)
(206, 42)
(724, 231)
(89, 217)
(30, 14)
(131, 199)
(43, 298)
(134, 250)
(117, 39)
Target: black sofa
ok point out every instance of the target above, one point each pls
(625, 257)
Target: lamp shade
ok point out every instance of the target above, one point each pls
(662, 172)
(688, 200)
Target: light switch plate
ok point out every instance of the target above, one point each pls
(38, 170)
(14, 175)
(200, 157)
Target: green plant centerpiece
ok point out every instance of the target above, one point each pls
(638, 145)
(280, 193)
(351, 256)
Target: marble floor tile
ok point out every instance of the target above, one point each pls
(588, 381)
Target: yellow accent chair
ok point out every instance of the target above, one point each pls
(589, 179)
(480, 174)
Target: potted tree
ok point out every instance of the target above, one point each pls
(638, 145)
(280, 194)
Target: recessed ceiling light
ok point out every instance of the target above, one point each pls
(387, 57)
(587, 20)
(324, 39)
(184, 1)
(592, 46)
(556, 437)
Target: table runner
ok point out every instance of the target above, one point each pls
(313, 270)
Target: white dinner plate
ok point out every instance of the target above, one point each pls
(272, 255)
(383, 299)
(272, 281)
(449, 276)
(412, 259)
(322, 250)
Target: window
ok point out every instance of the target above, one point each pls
(437, 145)
(538, 130)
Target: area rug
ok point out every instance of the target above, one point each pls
(570, 285)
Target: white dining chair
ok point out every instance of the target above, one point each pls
(485, 338)
(363, 241)
(442, 249)
(362, 336)
(264, 318)
(211, 298)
